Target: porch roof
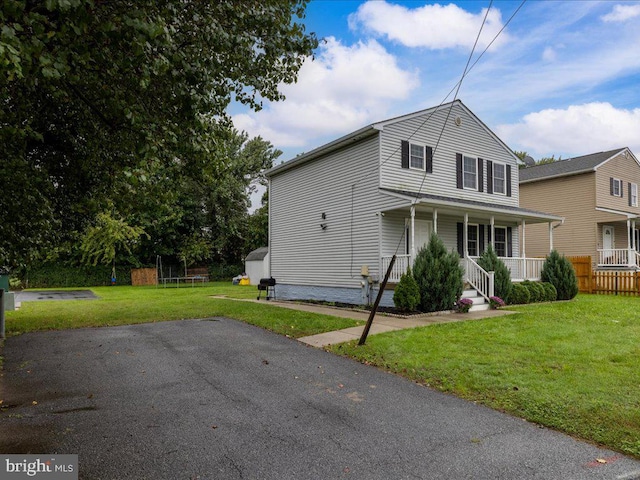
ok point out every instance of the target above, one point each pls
(457, 204)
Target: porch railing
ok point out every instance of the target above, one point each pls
(479, 278)
(400, 267)
(617, 257)
(519, 267)
(524, 268)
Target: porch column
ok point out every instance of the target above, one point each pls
(550, 237)
(435, 221)
(629, 235)
(413, 233)
(524, 255)
(493, 233)
(465, 235)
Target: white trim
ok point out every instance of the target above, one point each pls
(424, 157)
(504, 179)
(544, 217)
(475, 166)
(477, 227)
(634, 195)
(625, 151)
(613, 187)
(617, 212)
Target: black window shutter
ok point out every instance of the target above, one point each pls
(489, 176)
(480, 175)
(405, 154)
(611, 185)
(459, 170)
(460, 238)
(429, 162)
(621, 189)
(489, 234)
(630, 195)
(509, 242)
(481, 239)
(508, 175)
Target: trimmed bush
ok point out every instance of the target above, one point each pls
(519, 295)
(439, 276)
(559, 271)
(550, 292)
(502, 278)
(406, 296)
(536, 291)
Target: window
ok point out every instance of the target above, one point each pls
(469, 172)
(500, 242)
(633, 194)
(616, 187)
(416, 158)
(499, 174)
(472, 240)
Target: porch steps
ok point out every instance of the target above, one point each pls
(479, 302)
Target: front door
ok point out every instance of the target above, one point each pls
(608, 240)
(423, 229)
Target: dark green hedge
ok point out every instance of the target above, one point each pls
(55, 275)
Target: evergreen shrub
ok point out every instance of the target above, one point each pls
(406, 296)
(519, 295)
(559, 271)
(550, 292)
(439, 276)
(536, 291)
(502, 277)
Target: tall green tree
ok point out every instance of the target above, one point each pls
(94, 90)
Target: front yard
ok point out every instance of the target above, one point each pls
(572, 366)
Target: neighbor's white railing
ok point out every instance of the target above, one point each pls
(615, 257)
(479, 278)
(400, 267)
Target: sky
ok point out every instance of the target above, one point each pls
(559, 78)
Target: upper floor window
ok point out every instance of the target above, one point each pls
(616, 187)
(470, 172)
(499, 178)
(416, 156)
(633, 194)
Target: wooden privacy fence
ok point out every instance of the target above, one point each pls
(620, 282)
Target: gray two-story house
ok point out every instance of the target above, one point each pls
(338, 213)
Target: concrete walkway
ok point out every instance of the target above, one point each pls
(381, 323)
(384, 323)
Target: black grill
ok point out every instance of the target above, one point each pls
(267, 285)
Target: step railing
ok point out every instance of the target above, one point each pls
(614, 257)
(479, 278)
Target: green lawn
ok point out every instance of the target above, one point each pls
(129, 305)
(572, 366)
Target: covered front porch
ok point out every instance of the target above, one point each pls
(467, 227)
(618, 241)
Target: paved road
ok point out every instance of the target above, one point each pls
(218, 399)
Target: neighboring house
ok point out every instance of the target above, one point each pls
(598, 196)
(337, 214)
(256, 265)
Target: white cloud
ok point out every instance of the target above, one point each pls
(622, 13)
(576, 130)
(549, 55)
(432, 26)
(345, 88)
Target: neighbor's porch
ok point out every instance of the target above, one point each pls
(468, 228)
(618, 243)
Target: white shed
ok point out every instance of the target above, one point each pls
(256, 265)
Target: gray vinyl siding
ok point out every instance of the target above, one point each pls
(344, 186)
(470, 138)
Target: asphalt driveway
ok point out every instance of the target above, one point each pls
(219, 399)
